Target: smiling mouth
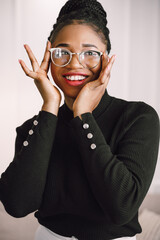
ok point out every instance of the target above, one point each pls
(75, 77)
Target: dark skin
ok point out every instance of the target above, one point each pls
(80, 99)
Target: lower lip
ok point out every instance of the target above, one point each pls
(75, 83)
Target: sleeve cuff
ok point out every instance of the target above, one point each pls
(88, 133)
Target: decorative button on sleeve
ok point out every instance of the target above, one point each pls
(25, 143)
(35, 122)
(30, 132)
(89, 135)
(85, 125)
(93, 146)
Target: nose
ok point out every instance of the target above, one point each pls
(74, 63)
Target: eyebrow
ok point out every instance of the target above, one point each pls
(83, 45)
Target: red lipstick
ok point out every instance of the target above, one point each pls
(75, 82)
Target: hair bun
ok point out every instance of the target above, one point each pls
(88, 12)
(92, 6)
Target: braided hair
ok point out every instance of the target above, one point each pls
(88, 12)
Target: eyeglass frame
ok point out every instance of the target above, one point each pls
(71, 53)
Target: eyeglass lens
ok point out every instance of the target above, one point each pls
(88, 59)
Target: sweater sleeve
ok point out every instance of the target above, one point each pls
(119, 180)
(22, 184)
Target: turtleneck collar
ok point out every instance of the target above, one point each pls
(67, 114)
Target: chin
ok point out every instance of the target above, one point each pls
(71, 93)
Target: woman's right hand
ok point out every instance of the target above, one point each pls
(50, 94)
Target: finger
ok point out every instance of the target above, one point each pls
(46, 59)
(105, 60)
(32, 58)
(103, 79)
(107, 71)
(97, 83)
(27, 71)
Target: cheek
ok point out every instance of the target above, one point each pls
(96, 71)
(55, 73)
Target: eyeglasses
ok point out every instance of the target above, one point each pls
(88, 59)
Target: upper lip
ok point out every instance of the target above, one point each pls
(74, 74)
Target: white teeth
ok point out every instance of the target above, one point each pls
(75, 77)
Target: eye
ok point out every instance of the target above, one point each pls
(91, 53)
(64, 52)
(58, 53)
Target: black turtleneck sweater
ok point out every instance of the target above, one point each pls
(86, 178)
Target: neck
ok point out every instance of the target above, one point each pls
(69, 102)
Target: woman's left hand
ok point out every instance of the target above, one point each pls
(91, 94)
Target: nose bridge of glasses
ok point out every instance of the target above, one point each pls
(73, 58)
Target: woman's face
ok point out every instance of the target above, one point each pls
(76, 38)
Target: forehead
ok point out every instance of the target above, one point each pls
(77, 34)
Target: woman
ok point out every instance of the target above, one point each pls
(84, 167)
